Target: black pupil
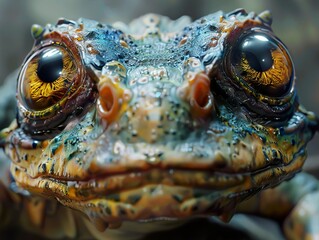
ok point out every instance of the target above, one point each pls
(257, 49)
(50, 65)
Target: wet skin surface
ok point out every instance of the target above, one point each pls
(158, 119)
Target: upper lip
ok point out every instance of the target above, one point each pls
(105, 185)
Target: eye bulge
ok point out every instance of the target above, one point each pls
(262, 62)
(46, 77)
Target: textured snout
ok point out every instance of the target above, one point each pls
(155, 110)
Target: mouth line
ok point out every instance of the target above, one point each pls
(158, 192)
(110, 186)
(101, 186)
(155, 172)
(173, 176)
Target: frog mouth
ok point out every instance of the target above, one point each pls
(110, 181)
(157, 193)
(177, 184)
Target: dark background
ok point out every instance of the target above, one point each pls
(296, 23)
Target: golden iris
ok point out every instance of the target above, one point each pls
(264, 63)
(47, 77)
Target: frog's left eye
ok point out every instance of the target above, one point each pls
(54, 88)
(47, 77)
(261, 61)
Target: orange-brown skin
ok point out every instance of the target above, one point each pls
(160, 120)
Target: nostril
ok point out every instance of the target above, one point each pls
(201, 97)
(106, 98)
(107, 103)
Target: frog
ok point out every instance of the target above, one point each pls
(125, 131)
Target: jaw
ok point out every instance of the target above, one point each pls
(111, 181)
(158, 194)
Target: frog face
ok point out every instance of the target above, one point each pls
(159, 118)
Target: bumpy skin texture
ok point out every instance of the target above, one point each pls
(155, 123)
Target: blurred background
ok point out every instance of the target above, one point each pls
(295, 22)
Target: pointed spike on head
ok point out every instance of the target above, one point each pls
(266, 17)
(238, 11)
(62, 21)
(37, 31)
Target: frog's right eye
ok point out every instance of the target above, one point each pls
(257, 73)
(262, 62)
(47, 78)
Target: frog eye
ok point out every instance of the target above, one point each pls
(55, 87)
(262, 62)
(47, 77)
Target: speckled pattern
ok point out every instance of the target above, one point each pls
(154, 125)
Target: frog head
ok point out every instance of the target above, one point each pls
(158, 119)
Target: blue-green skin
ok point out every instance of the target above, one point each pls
(197, 162)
